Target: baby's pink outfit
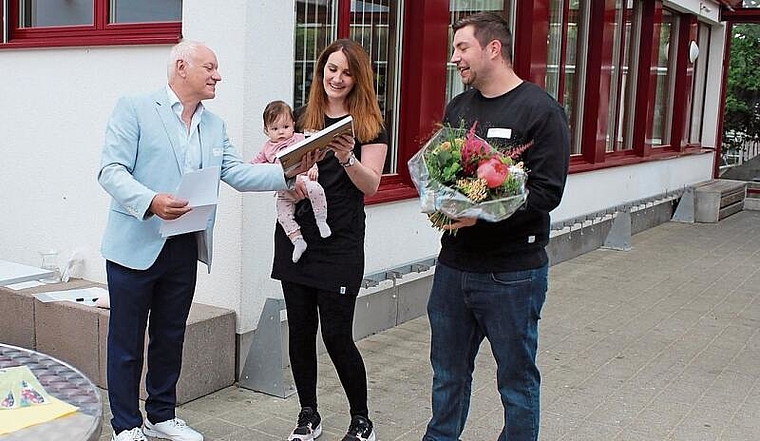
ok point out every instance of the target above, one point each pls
(286, 208)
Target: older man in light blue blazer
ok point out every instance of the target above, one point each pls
(151, 142)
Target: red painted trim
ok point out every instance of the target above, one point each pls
(344, 18)
(598, 77)
(640, 122)
(683, 82)
(13, 12)
(101, 16)
(423, 90)
(523, 41)
(723, 92)
(628, 157)
(592, 80)
(423, 81)
(563, 53)
(751, 15)
(691, 71)
(392, 188)
(657, 20)
(100, 33)
(621, 61)
(539, 55)
(94, 38)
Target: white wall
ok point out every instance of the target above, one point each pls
(597, 190)
(707, 10)
(713, 87)
(54, 104)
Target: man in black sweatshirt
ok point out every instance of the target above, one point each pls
(491, 278)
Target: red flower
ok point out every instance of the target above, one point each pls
(493, 171)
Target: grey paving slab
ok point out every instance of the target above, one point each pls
(661, 342)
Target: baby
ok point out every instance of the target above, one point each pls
(279, 126)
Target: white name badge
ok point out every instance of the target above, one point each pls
(495, 132)
(217, 151)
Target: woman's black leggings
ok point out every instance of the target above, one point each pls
(306, 307)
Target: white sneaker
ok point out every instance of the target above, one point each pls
(174, 430)
(135, 434)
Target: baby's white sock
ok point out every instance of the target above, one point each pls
(324, 229)
(299, 246)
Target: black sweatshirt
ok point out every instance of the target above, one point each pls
(518, 242)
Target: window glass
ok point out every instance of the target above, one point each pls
(376, 25)
(141, 11)
(702, 45)
(458, 10)
(665, 32)
(564, 55)
(622, 74)
(41, 13)
(316, 27)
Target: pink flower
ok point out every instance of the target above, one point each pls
(493, 171)
(473, 150)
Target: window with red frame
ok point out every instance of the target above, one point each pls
(460, 9)
(49, 23)
(617, 79)
(374, 25)
(413, 34)
(378, 25)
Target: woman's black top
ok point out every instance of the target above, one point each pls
(335, 263)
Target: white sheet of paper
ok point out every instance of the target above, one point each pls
(200, 188)
(83, 296)
(24, 285)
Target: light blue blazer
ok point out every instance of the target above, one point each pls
(141, 158)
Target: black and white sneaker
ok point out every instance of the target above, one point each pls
(309, 425)
(360, 430)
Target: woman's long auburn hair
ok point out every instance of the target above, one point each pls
(361, 101)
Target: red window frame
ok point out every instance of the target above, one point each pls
(423, 87)
(426, 48)
(531, 60)
(100, 33)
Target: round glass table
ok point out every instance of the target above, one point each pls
(66, 383)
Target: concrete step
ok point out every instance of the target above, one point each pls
(752, 202)
(77, 334)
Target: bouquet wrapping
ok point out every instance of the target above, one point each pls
(458, 174)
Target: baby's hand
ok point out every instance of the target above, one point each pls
(313, 173)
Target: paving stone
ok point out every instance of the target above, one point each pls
(661, 343)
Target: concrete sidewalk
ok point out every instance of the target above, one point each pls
(661, 342)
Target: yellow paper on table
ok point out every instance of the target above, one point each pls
(24, 402)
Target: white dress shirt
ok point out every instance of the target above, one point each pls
(190, 139)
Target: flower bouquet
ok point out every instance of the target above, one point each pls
(458, 174)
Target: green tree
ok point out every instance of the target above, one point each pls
(742, 117)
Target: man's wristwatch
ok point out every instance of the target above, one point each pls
(349, 162)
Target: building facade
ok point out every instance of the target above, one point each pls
(640, 81)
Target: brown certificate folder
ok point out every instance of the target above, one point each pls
(290, 157)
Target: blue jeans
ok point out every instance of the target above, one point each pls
(505, 308)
